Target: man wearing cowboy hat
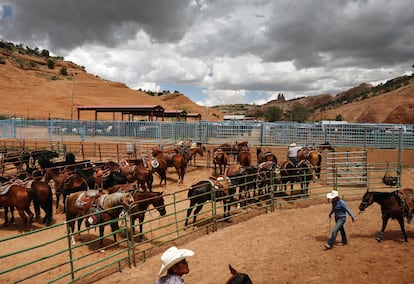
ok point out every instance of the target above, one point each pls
(175, 264)
(293, 153)
(340, 208)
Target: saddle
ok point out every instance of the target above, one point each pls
(89, 201)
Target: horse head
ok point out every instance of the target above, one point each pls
(238, 277)
(367, 200)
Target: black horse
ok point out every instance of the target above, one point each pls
(305, 175)
(395, 205)
(289, 173)
(198, 194)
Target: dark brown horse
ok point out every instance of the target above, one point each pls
(395, 205)
(41, 194)
(314, 157)
(143, 201)
(141, 175)
(238, 277)
(265, 156)
(173, 160)
(160, 166)
(69, 182)
(245, 158)
(220, 159)
(16, 195)
(289, 173)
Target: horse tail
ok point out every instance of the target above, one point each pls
(318, 167)
(150, 180)
(49, 205)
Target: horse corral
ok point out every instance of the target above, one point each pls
(271, 247)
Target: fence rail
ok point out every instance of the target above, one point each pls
(384, 136)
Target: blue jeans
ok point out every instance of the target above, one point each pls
(339, 226)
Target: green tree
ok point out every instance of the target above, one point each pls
(63, 71)
(50, 64)
(273, 113)
(298, 113)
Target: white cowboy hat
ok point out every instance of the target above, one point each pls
(172, 256)
(332, 194)
(292, 145)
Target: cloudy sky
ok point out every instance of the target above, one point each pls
(223, 51)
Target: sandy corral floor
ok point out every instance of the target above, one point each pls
(286, 246)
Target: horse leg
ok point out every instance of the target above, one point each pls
(401, 221)
(6, 213)
(29, 212)
(141, 225)
(48, 209)
(114, 228)
(23, 216)
(58, 193)
(384, 225)
(196, 211)
(188, 215)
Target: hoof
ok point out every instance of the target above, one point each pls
(378, 239)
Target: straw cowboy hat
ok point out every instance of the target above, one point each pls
(172, 256)
(332, 194)
(292, 145)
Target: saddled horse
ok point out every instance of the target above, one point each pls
(314, 157)
(305, 169)
(102, 209)
(245, 158)
(245, 178)
(395, 205)
(15, 195)
(173, 160)
(143, 201)
(199, 193)
(142, 175)
(69, 182)
(105, 178)
(220, 159)
(265, 156)
(230, 150)
(160, 166)
(268, 175)
(289, 173)
(238, 277)
(196, 150)
(41, 194)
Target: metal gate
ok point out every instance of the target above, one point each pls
(347, 168)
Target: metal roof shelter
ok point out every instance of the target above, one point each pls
(196, 116)
(177, 114)
(131, 110)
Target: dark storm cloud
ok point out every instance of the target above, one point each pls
(69, 24)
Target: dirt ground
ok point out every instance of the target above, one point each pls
(286, 246)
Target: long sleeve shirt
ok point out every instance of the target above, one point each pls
(340, 208)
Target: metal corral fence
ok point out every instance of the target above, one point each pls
(35, 256)
(257, 133)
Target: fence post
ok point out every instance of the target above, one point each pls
(68, 234)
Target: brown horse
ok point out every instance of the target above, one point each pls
(141, 175)
(160, 166)
(265, 156)
(196, 150)
(16, 195)
(41, 194)
(238, 277)
(102, 208)
(396, 205)
(69, 182)
(314, 157)
(173, 160)
(220, 158)
(245, 158)
(143, 201)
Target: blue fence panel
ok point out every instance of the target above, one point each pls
(256, 133)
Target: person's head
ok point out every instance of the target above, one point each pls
(174, 261)
(333, 195)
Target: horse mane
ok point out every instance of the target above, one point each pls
(112, 200)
